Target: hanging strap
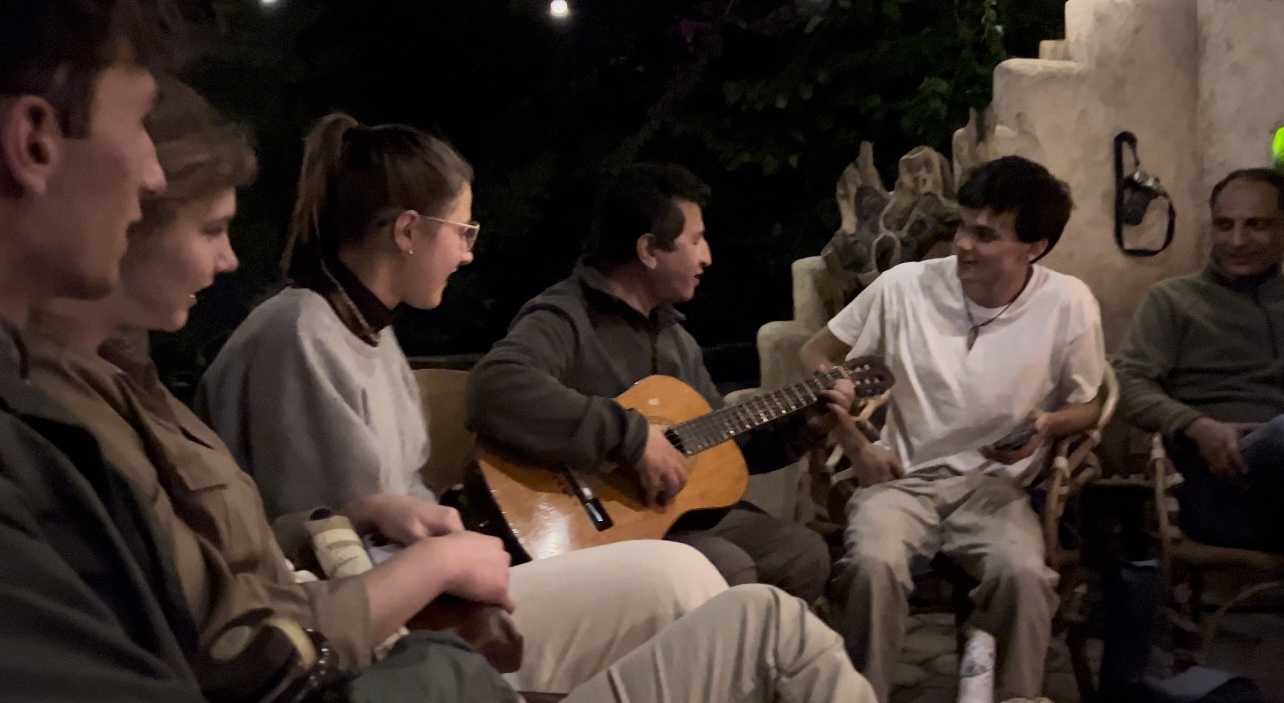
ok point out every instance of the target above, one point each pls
(1131, 140)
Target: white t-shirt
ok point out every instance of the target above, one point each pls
(1045, 351)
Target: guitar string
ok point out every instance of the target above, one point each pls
(758, 410)
(761, 409)
(714, 428)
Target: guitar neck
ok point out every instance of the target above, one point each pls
(701, 433)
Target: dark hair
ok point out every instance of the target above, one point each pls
(56, 49)
(641, 199)
(201, 153)
(1015, 184)
(1253, 175)
(353, 175)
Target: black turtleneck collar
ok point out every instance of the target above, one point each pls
(376, 314)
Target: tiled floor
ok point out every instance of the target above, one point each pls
(1250, 644)
(928, 672)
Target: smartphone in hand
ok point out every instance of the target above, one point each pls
(1015, 440)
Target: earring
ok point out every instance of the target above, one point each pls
(410, 252)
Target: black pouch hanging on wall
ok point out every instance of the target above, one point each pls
(1134, 192)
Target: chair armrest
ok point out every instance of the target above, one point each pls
(1165, 477)
(1162, 471)
(779, 344)
(1070, 469)
(1067, 474)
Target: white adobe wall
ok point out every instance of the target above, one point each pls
(1198, 82)
(1241, 83)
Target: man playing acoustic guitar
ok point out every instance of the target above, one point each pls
(546, 391)
(996, 357)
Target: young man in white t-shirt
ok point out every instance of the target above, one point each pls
(982, 343)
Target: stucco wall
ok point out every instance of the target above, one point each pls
(1241, 83)
(1176, 73)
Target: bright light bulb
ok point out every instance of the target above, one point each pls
(267, 3)
(559, 9)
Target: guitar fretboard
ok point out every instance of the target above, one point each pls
(701, 433)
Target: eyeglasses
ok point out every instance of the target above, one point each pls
(468, 230)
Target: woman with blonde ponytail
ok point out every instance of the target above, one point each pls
(313, 393)
(317, 402)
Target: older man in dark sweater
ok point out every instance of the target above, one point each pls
(1202, 364)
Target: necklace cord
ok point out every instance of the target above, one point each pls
(974, 329)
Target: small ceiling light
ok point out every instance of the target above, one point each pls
(559, 9)
(267, 3)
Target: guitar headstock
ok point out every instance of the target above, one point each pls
(869, 374)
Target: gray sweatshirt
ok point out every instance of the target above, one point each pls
(547, 389)
(317, 416)
(1204, 345)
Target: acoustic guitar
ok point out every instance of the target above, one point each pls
(552, 510)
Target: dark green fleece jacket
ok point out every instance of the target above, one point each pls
(547, 389)
(90, 605)
(1204, 345)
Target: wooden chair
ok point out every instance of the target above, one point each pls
(1070, 466)
(441, 393)
(1186, 562)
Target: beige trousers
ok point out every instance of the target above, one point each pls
(985, 524)
(582, 611)
(752, 643)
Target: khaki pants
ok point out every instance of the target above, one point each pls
(750, 546)
(582, 611)
(752, 643)
(985, 524)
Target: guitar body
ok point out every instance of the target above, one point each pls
(546, 517)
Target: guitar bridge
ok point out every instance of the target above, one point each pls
(588, 499)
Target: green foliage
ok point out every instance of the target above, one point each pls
(1277, 148)
(903, 71)
(783, 102)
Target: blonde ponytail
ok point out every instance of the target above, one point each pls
(322, 160)
(353, 175)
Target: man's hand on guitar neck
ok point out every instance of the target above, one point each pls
(823, 418)
(663, 469)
